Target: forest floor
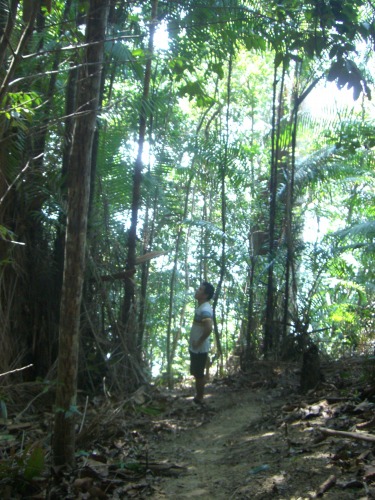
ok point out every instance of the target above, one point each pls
(257, 437)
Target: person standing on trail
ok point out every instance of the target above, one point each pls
(199, 344)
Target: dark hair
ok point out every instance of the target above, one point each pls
(209, 289)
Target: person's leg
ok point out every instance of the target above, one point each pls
(199, 387)
(207, 369)
(197, 368)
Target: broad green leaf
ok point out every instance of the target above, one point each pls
(138, 53)
(7, 438)
(34, 464)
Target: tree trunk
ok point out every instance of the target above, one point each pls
(223, 172)
(290, 308)
(137, 178)
(249, 352)
(75, 245)
(172, 341)
(59, 243)
(15, 162)
(129, 320)
(310, 371)
(270, 330)
(148, 239)
(290, 291)
(42, 337)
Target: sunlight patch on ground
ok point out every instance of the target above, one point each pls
(318, 455)
(200, 451)
(255, 437)
(268, 434)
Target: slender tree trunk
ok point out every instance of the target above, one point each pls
(223, 171)
(250, 314)
(129, 319)
(138, 169)
(289, 237)
(147, 242)
(148, 239)
(44, 333)
(270, 336)
(75, 247)
(172, 342)
(290, 280)
(59, 243)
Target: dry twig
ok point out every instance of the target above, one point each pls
(350, 435)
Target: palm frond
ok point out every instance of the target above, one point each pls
(363, 230)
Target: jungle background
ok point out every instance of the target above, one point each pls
(146, 146)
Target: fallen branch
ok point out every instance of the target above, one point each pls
(350, 435)
(331, 481)
(16, 370)
(84, 415)
(366, 425)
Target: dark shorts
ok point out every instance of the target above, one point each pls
(198, 363)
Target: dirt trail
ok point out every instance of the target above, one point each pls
(260, 439)
(211, 470)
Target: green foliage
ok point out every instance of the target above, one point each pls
(6, 234)
(206, 162)
(71, 412)
(346, 72)
(21, 469)
(369, 370)
(34, 464)
(3, 410)
(150, 410)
